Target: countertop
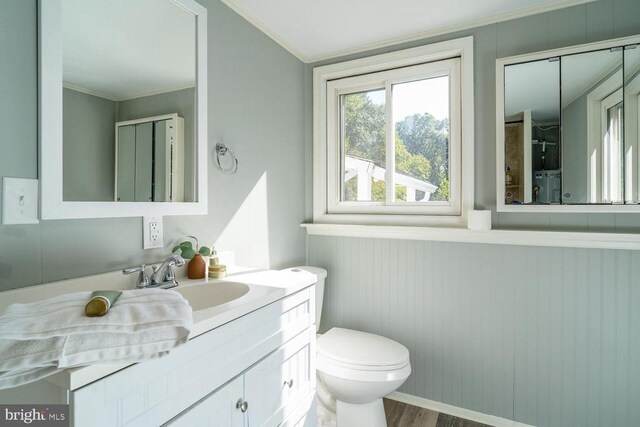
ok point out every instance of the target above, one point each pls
(265, 287)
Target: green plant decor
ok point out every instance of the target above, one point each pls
(187, 251)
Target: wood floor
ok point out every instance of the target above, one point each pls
(403, 415)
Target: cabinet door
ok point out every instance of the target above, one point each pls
(126, 173)
(217, 410)
(144, 162)
(275, 387)
(162, 161)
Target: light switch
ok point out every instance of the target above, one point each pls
(19, 201)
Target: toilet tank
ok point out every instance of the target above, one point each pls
(321, 275)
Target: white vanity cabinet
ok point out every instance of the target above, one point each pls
(280, 384)
(264, 359)
(278, 390)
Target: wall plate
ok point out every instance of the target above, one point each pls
(19, 201)
(152, 232)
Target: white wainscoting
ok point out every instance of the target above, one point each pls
(542, 336)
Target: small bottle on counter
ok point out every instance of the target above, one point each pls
(216, 270)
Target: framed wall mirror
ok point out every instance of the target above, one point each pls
(567, 129)
(123, 108)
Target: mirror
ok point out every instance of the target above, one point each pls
(592, 143)
(123, 108)
(127, 67)
(632, 123)
(532, 118)
(568, 127)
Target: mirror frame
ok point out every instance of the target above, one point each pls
(50, 159)
(500, 143)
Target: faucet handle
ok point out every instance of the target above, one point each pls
(169, 274)
(143, 279)
(136, 269)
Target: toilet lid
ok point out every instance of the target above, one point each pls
(362, 349)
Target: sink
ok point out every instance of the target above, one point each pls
(209, 295)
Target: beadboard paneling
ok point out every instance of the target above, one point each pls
(543, 336)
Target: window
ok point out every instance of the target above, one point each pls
(389, 139)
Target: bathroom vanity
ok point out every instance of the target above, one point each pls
(250, 360)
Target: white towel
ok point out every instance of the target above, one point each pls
(42, 338)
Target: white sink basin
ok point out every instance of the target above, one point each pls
(209, 295)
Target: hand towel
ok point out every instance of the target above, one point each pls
(41, 338)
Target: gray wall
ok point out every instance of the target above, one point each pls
(253, 85)
(545, 336)
(88, 134)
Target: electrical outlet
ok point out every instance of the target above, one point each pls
(152, 232)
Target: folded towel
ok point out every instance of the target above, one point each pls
(39, 339)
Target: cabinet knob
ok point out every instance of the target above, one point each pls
(242, 405)
(289, 383)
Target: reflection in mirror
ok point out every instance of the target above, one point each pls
(631, 123)
(128, 101)
(150, 160)
(532, 117)
(592, 145)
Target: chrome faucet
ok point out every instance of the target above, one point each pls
(163, 276)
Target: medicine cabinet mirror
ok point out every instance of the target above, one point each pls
(123, 113)
(567, 127)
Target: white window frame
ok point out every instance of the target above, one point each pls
(605, 142)
(632, 130)
(362, 73)
(597, 100)
(385, 80)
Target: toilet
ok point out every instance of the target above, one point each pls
(355, 370)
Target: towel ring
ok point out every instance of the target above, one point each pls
(222, 151)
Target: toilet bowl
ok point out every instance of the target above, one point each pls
(358, 369)
(355, 370)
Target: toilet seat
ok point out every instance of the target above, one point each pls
(360, 356)
(328, 367)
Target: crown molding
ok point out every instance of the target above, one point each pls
(104, 95)
(473, 23)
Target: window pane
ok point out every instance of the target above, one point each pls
(421, 115)
(362, 144)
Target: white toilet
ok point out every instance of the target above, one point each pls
(357, 369)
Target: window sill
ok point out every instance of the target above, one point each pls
(568, 239)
